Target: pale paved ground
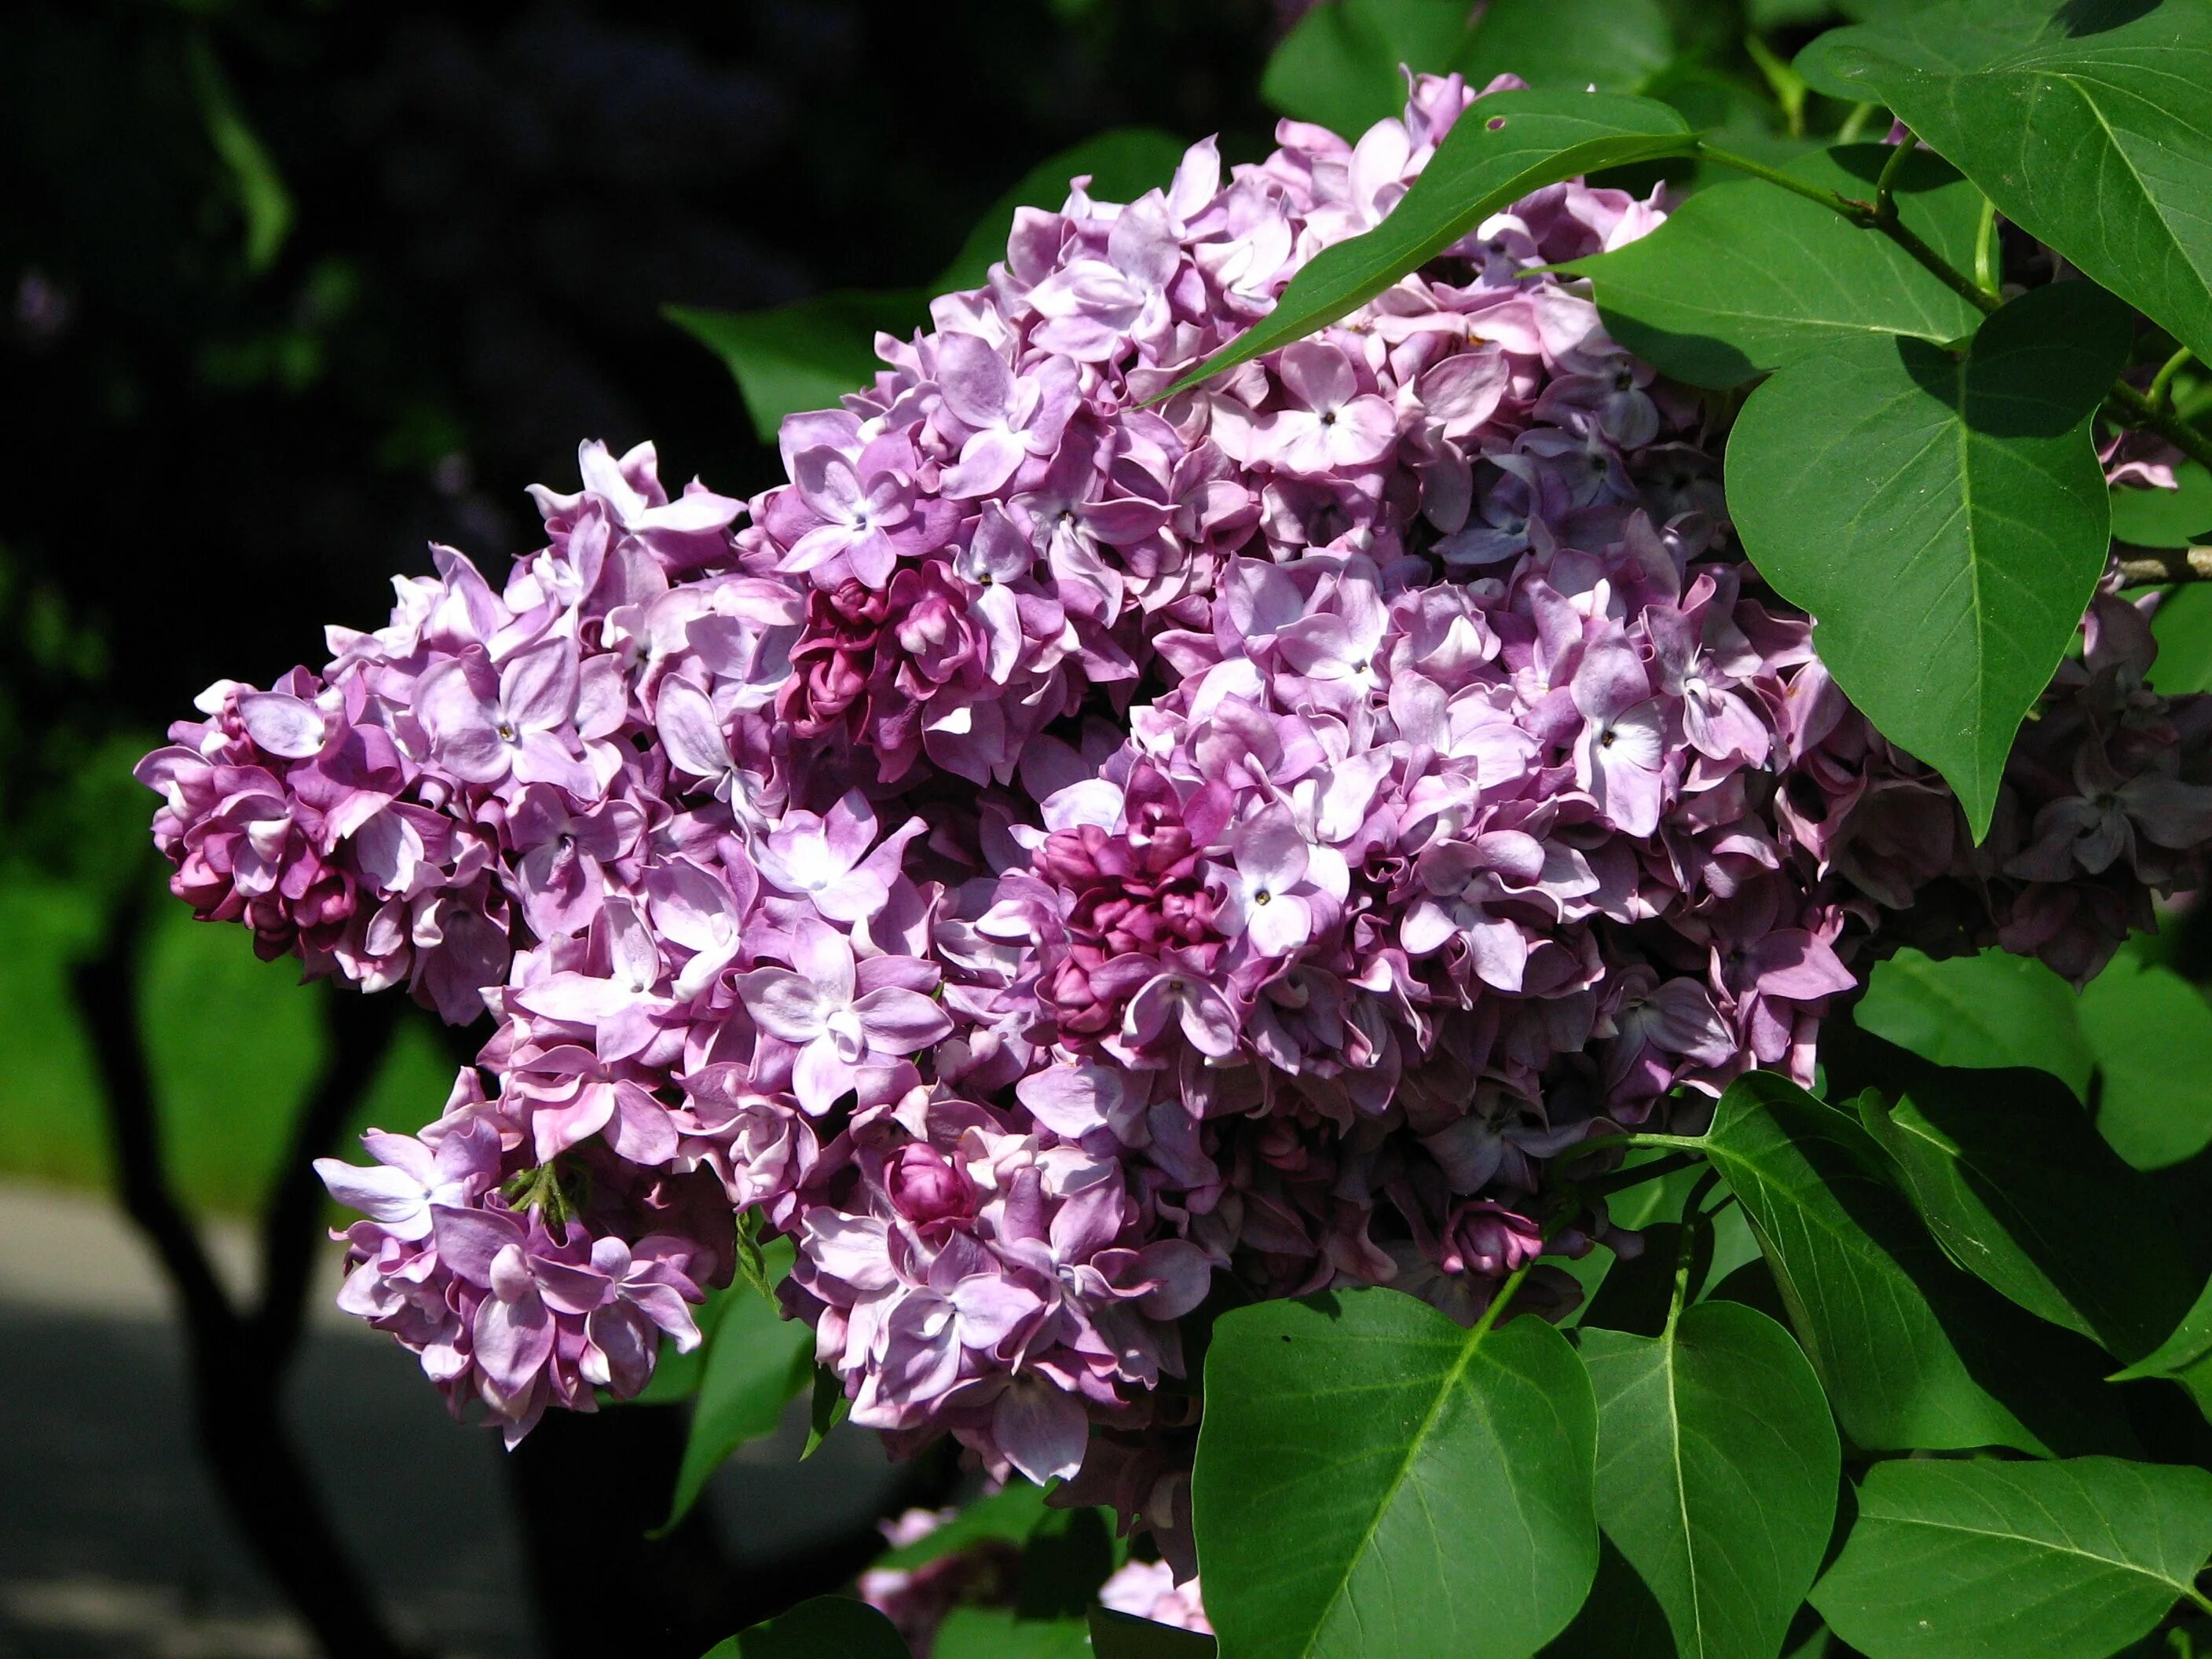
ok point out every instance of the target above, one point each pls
(113, 1544)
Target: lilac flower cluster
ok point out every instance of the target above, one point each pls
(1058, 848)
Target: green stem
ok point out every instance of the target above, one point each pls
(2201, 1600)
(2162, 382)
(1498, 1302)
(1883, 206)
(1857, 212)
(1855, 123)
(1988, 273)
(2130, 407)
(1607, 1143)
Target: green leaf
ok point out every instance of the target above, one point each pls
(996, 1633)
(1566, 45)
(1069, 1554)
(1639, 1294)
(2088, 125)
(1010, 1514)
(1991, 1560)
(1512, 144)
(828, 1407)
(815, 1629)
(1373, 1480)
(1123, 164)
(1124, 1636)
(1942, 517)
(1717, 1470)
(2182, 627)
(2166, 518)
(2017, 1186)
(1338, 66)
(2151, 1030)
(757, 1363)
(1891, 1326)
(1745, 277)
(803, 355)
(2189, 1342)
(1992, 1010)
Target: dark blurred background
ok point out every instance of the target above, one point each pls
(289, 289)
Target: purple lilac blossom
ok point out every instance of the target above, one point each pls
(1058, 848)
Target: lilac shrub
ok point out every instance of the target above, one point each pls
(1062, 856)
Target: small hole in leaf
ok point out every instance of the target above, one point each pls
(1495, 122)
(1286, 1336)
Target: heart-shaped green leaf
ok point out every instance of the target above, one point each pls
(1745, 276)
(2089, 124)
(1374, 1481)
(1943, 516)
(1717, 1468)
(1993, 1560)
(1505, 146)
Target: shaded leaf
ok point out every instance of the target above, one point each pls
(2184, 630)
(1991, 1560)
(806, 355)
(1508, 144)
(1992, 1010)
(823, 1625)
(1124, 1636)
(2190, 1342)
(996, 1633)
(2016, 1183)
(2166, 518)
(1566, 45)
(1942, 517)
(1357, 1444)
(2089, 124)
(1745, 277)
(1338, 65)
(757, 1363)
(1010, 1514)
(2151, 1031)
(828, 1408)
(1903, 1340)
(1123, 164)
(1717, 1472)
(1621, 1619)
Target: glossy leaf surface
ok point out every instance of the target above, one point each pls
(1943, 518)
(1357, 1444)
(1716, 1473)
(1745, 277)
(1992, 1560)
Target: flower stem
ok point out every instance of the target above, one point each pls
(2161, 383)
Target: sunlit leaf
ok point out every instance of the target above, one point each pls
(1716, 1469)
(1745, 277)
(2089, 124)
(1507, 145)
(1993, 1560)
(1990, 1009)
(1942, 517)
(1357, 1444)
(2151, 1031)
